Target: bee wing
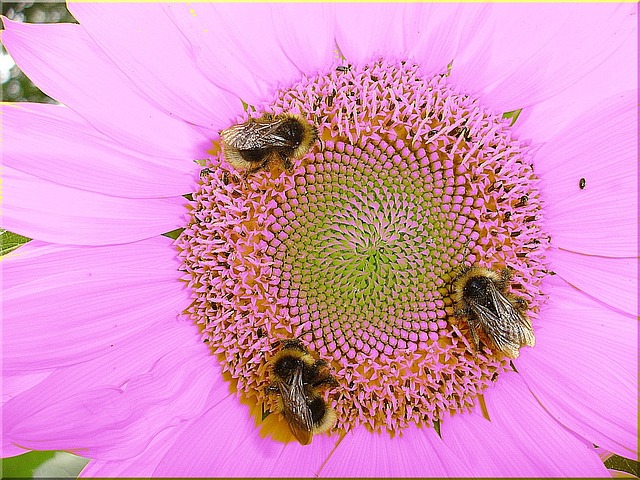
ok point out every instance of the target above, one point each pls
(507, 328)
(255, 134)
(295, 409)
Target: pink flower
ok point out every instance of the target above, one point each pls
(152, 358)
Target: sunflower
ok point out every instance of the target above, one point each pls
(436, 149)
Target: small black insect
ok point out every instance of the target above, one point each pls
(524, 199)
(582, 183)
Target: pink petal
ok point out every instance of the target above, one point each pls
(67, 304)
(68, 66)
(418, 452)
(521, 440)
(365, 34)
(208, 441)
(212, 41)
(207, 33)
(543, 121)
(613, 281)
(142, 465)
(256, 43)
(9, 450)
(113, 406)
(199, 453)
(435, 32)
(158, 57)
(295, 460)
(262, 456)
(556, 46)
(584, 368)
(54, 213)
(55, 143)
(14, 384)
(600, 146)
(305, 33)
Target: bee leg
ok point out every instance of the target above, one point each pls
(257, 168)
(263, 165)
(328, 381)
(462, 312)
(505, 276)
(313, 371)
(519, 303)
(228, 178)
(474, 334)
(286, 161)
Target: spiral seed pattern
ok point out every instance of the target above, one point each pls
(353, 253)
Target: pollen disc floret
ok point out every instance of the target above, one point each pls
(353, 253)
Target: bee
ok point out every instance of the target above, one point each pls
(582, 183)
(298, 379)
(480, 296)
(343, 68)
(251, 145)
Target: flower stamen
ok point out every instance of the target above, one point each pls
(353, 253)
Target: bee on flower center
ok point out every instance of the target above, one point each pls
(298, 380)
(251, 145)
(481, 297)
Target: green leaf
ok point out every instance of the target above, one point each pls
(623, 464)
(23, 466)
(38, 464)
(436, 426)
(9, 241)
(174, 233)
(513, 115)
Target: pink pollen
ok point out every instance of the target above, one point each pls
(353, 253)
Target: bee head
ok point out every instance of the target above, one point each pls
(286, 362)
(476, 287)
(293, 131)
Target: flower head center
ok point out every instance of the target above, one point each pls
(353, 253)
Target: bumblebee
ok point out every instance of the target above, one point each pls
(480, 295)
(251, 145)
(298, 380)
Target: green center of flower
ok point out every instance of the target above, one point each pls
(365, 234)
(353, 253)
